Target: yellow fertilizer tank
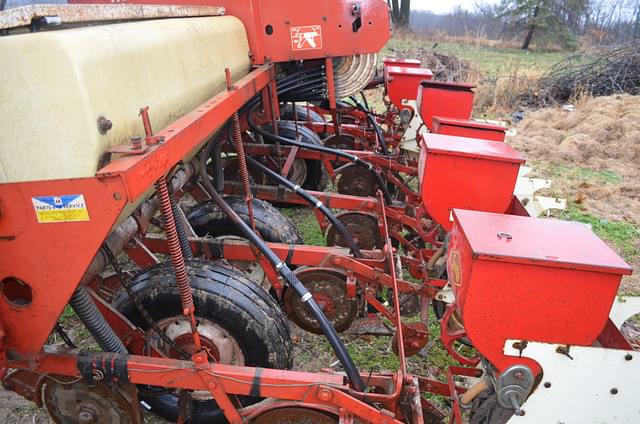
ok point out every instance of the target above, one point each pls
(56, 85)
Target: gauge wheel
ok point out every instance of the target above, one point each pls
(303, 114)
(207, 219)
(316, 178)
(239, 324)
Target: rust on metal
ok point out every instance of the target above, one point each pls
(74, 13)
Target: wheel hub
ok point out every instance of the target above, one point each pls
(216, 340)
(253, 270)
(77, 403)
(356, 181)
(328, 288)
(362, 227)
(221, 347)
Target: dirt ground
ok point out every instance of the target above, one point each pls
(602, 135)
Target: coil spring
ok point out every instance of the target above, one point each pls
(175, 251)
(242, 159)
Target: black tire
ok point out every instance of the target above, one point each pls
(208, 219)
(221, 295)
(485, 409)
(303, 114)
(316, 179)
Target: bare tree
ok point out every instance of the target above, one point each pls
(400, 12)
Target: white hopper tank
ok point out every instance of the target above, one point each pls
(55, 86)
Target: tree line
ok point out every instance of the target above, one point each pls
(543, 22)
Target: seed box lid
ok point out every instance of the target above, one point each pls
(409, 70)
(461, 86)
(535, 241)
(472, 147)
(468, 123)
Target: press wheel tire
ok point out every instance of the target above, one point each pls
(208, 219)
(316, 179)
(485, 409)
(303, 114)
(222, 296)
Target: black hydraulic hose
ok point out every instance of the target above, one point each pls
(313, 201)
(378, 130)
(91, 317)
(327, 150)
(364, 100)
(372, 119)
(185, 246)
(286, 273)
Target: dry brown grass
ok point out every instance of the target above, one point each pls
(601, 136)
(502, 94)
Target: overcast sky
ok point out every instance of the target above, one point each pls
(444, 6)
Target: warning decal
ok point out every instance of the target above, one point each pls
(306, 37)
(67, 208)
(454, 268)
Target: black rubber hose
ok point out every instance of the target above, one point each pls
(364, 100)
(327, 150)
(218, 172)
(185, 246)
(313, 201)
(329, 331)
(372, 119)
(91, 317)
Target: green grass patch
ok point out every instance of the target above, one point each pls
(307, 223)
(623, 235)
(491, 61)
(584, 174)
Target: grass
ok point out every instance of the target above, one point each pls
(583, 174)
(492, 61)
(624, 235)
(306, 222)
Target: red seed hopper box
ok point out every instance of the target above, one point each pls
(466, 173)
(531, 279)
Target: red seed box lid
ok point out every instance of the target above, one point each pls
(468, 123)
(471, 147)
(409, 70)
(536, 241)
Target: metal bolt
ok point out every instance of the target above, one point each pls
(325, 395)
(104, 125)
(628, 357)
(516, 405)
(547, 385)
(136, 143)
(117, 196)
(613, 391)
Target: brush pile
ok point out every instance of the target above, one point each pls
(601, 72)
(444, 67)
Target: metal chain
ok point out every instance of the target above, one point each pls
(124, 281)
